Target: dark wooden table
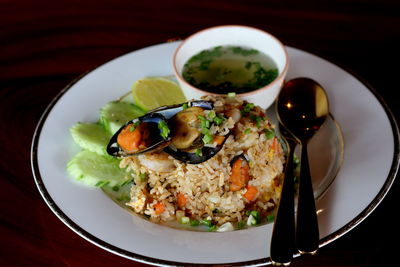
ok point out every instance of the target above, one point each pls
(44, 45)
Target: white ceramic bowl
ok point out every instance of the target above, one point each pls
(235, 35)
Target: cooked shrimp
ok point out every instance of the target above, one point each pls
(234, 113)
(157, 161)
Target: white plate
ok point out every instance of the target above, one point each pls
(371, 161)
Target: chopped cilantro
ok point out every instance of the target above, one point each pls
(206, 55)
(205, 70)
(244, 51)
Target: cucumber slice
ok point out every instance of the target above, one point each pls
(97, 170)
(114, 115)
(91, 136)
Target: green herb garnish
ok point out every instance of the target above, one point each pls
(269, 133)
(205, 130)
(270, 218)
(256, 215)
(206, 55)
(258, 121)
(134, 125)
(248, 107)
(225, 69)
(206, 222)
(205, 124)
(208, 138)
(185, 220)
(218, 120)
(164, 130)
(201, 118)
(211, 115)
(204, 65)
(194, 222)
(241, 225)
(244, 51)
(198, 152)
(261, 76)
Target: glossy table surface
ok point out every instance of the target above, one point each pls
(44, 45)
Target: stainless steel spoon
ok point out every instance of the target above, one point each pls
(302, 108)
(282, 241)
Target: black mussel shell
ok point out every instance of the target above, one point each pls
(194, 158)
(169, 111)
(157, 141)
(241, 156)
(153, 117)
(206, 152)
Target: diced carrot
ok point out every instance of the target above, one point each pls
(181, 200)
(274, 145)
(219, 139)
(159, 207)
(251, 193)
(240, 175)
(132, 139)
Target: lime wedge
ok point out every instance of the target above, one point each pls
(151, 93)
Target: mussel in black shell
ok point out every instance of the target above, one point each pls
(147, 133)
(182, 131)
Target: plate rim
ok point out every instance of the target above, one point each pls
(257, 262)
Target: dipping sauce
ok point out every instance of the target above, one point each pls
(227, 69)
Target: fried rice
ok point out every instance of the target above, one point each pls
(166, 189)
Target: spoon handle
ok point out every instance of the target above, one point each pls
(282, 241)
(307, 233)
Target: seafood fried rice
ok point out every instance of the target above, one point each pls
(240, 184)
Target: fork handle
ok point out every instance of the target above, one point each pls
(282, 241)
(307, 233)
